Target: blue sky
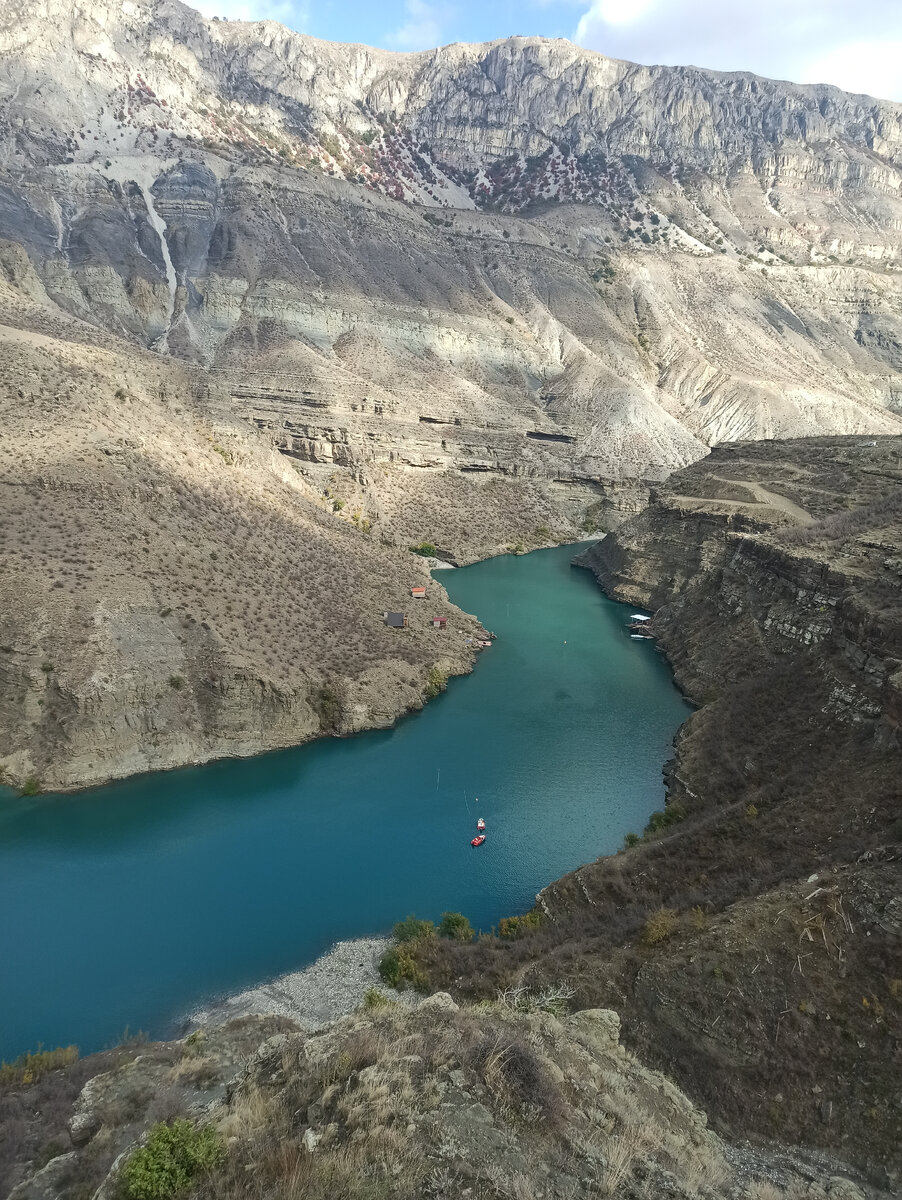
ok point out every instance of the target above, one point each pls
(856, 44)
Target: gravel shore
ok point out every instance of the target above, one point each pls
(328, 989)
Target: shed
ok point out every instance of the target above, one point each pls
(396, 620)
(418, 593)
(439, 622)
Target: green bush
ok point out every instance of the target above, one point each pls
(399, 968)
(171, 1159)
(374, 998)
(631, 839)
(436, 682)
(663, 820)
(411, 928)
(514, 927)
(426, 549)
(176, 682)
(455, 925)
(31, 786)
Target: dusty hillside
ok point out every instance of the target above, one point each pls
(172, 589)
(519, 258)
(354, 301)
(751, 938)
(504, 1102)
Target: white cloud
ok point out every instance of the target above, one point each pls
(872, 67)
(288, 12)
(423, 28)
(808, 41)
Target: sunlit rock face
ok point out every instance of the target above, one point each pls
(476, 297)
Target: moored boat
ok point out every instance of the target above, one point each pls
(478, 840)
(480, 824)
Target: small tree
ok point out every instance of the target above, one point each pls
(411, 928)
(455, 925)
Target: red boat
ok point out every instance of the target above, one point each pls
(477, 841)
(480, 824)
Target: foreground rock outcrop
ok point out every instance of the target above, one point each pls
(751, 938)
(492, 1103)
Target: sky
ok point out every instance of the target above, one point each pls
(855, 44)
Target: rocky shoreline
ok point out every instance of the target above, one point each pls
(329, 988)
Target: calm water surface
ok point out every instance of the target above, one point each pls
(125, 906)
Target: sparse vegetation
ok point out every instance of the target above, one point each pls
(28, 1068)
(374, 998)
(330, 708)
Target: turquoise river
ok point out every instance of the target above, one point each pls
(128, 905)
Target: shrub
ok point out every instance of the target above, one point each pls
(455, 925)
(426, 549)
(399, 968)
(176, 682)
(663, 820)
(330, 709)
(31, 786)
(631, 839)
(436, 682)
(28, 1068)
(374, 998)
(411, 928)
(661, 925)
(514, 927)
(172, 1158)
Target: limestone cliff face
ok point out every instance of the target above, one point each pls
(681, 272)
(769, 561)
(479, 297)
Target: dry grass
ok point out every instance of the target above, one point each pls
(124, 524)
(661, 925)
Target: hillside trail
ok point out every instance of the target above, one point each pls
(762, 495)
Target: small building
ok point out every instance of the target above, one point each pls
(439, 622)
(418, 593)
(396, 620)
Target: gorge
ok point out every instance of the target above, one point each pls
(283, 325)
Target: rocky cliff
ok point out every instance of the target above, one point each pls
(479, 297)
(508, 1102)
(750, 937)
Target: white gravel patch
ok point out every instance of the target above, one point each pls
(329, 988)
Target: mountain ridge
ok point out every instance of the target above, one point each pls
(478, 297)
